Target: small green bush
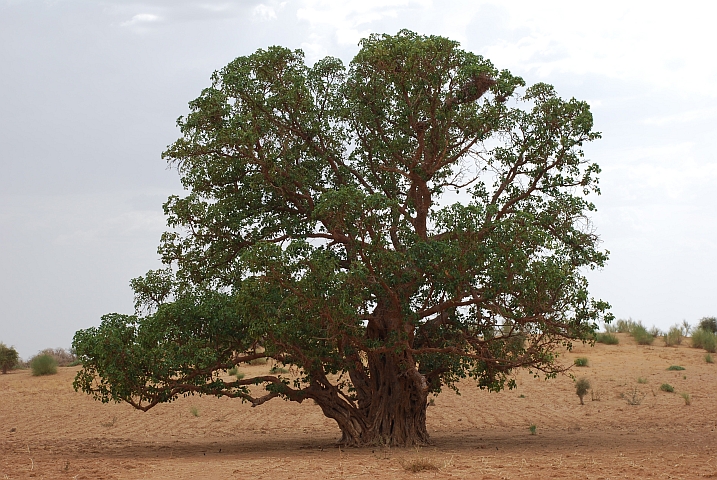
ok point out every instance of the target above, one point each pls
(258, 361)
(581, 388)
(666, 387)
(708, 324)
(607, 338)
(641, 380)
(533, 429)
(581, 362)
(233, 371)
(708, 358)
(702, 338)
(194, 411)
(43, 364)
(624, 326)
(8, 358)
(675, 367)
(641, 335)
(673, 336)
(687, 398)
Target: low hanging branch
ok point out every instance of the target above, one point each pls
(315, 232)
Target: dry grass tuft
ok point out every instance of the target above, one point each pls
(419, 465)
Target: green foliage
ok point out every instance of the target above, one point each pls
(708, 324)
(675, 367)
(607, 338)
(533, 429)
(686, 397)
(673, 336)
(194, 411)
(624, 326)
(43, 364)
(581, 362)
(317, 230)
(233, 371)
(702, 338)
(666, 387)
(641, 335)
(276, 369)
(641, 380)
(9, 358)
(708, 358)
(62, 357)
(581, 388)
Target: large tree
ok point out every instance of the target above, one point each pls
(385, 230)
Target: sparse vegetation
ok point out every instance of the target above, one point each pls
(686, 397)
(581, 362)
(43, 364)
(258, 361)
(533, 429)
(419, 465)
(634, 397)
(641, 380)
(708, 358)
(666, 387)
(595, 395)
(194, 411)
(641, 335)
(673, 337)
(675, 367)
(702, 338)
(607, 338)
(581, 388)
(233, 371)
(624, 326)
(8, 358)
(63, 358)
(276, 369)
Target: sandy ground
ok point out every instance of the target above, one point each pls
(47, 430)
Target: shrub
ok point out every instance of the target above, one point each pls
(641, 380)
(673, 336)
(276, 369)
(666, 387)
(708, 324)
(708, 358)
(194, 411)
(687, 398)
(581, 388)
(8, 358)
(634, 397)
(624, 326)
(43, 364)
(62, 357)
(533, 429)
(258, 361)
(607, 338)
(702, 338)
(233, 371)
(610, 328)
(641, 335)
(419, 464)
(581, 362)
(686, 328)
(675, 367)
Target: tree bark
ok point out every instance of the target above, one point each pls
(391, 407)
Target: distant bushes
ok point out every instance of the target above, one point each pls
(706, 339)
(581, 362)
(8, 358)
(708, 324)
(637, 330)
(673, 337)
(43, 364)
(62, 357)
(607, 338)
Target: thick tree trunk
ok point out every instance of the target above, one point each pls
(391, 407)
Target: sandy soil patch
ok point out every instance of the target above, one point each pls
(47, 430)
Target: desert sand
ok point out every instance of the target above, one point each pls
(47, 430)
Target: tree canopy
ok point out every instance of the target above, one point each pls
(385, 229)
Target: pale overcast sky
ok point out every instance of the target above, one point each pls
(90, 91)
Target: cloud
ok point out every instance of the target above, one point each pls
(141, 18)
